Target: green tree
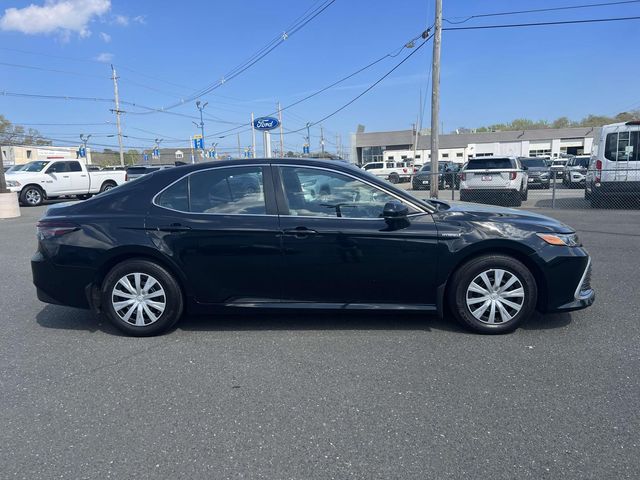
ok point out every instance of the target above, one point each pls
(131, 157)
(11, 134)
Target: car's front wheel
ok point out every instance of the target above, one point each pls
(32, 195)
(141, 298)
(492, 294)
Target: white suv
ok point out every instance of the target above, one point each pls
(393, 171)
(490, 179)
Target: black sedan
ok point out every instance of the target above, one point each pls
(539, 173)
(258, 234)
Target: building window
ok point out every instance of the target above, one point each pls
(179, 154)
(417, 156)
(458, 155)
(484, 155)
(390, 157)
(445, 155)
(28, 153)
(404, 157)
(540, 153)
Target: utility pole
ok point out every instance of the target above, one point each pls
(201, 108)
(84, 141)
(239, 147)
(322, 140)
(281, 131)
(435, 100)
(253, 136)
(117, 112)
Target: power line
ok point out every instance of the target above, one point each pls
(255, 58)
(394, 54)
(66, 72)
(538, 24)
(539, 10)
(370, 87)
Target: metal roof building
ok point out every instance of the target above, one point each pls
(399, 145)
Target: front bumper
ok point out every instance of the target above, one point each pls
(538, 182)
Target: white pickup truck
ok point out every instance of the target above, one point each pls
(46, 179)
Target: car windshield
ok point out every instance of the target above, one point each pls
(426, 168)
(489, 164)
(534, 163)
(35, 166)
(582, 162)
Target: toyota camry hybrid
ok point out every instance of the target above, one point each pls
(302, 234)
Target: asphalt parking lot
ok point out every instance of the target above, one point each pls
(289, 396)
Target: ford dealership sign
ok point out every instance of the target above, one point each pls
(266, 123)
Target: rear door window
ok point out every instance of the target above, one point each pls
(622, 146)
(228, 191)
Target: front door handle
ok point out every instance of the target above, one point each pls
(300, 232)
(174, 227)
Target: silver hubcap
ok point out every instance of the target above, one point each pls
(108, 187)
(495, 296)
(33, 196)
(138, 299)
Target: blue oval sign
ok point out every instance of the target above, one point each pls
(266, 123)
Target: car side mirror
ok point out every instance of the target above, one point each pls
(394, 210)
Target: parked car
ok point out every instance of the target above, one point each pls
(13, 168)
(558, 166)
(447, 175)
(46, 179)
(394, 172)
(185, 240)
(537, 171)
(614, 171)
(136, 171)
(493, 180)
(576, 171)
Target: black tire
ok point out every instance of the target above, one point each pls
(587, 194)
(465, 275)
(394, 178)
(84, 197)
(173, 300)
(31, 196)
(516, 200)
(464, 196)
(108, 185)
(525, 195)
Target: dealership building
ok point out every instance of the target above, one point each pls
(21, 154)
(404, 144)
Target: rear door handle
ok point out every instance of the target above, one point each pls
(174, 227)
(299, 232)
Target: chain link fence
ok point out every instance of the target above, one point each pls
(581, 188)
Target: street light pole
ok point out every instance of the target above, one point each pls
(201, 108)
(308, 139)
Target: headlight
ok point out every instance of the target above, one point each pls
(12, 183)
(561, 239)
(544, 176)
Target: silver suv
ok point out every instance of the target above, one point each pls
(494, 179)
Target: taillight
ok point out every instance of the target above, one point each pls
(126, 177)
(512, 175)
(463, 176)
(598, 170)
(54, 228)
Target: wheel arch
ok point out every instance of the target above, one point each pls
(517, 251)
(141, 253)
(39, 187)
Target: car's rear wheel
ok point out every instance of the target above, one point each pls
(525, 194)
(492, 294)
(394, 178)
(108, 185)
(516, 199)
(141, 298)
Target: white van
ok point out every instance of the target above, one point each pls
(614, 170)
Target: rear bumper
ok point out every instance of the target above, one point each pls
(488, 191)
(616, 188)
(60, 285)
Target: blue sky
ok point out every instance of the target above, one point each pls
(166, 50)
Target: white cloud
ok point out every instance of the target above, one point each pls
(104, 57)
(141, 19)
(121, 20)
(106, 38)
(55, 16)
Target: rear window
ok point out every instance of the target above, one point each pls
(622, 146)
(534, 163)
(581, 162)
(137, 170)
(489, 164)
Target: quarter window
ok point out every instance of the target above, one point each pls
(176, 197)
(75, 167)
(320, 193)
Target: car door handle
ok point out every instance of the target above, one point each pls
(299, 232)
(174, 227)
(65, 176)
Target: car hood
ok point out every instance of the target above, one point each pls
(499, 217)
